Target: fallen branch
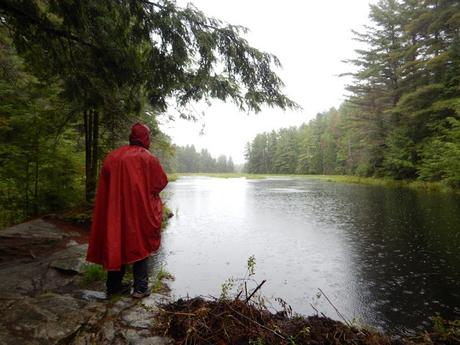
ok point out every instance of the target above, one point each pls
(333, 306)
(255, 290)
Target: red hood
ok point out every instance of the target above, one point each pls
(141, 134)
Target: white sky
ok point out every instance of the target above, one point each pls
(310, 37)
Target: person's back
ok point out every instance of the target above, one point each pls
(128, 212)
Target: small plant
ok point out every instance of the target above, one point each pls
(286, 308)
(163, 274)
(246, 288)
(94, 273)
(226, 287)
(251, 265)
(158, 284)
(445, 328)
(167, 214)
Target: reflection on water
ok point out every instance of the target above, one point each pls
(389, 257)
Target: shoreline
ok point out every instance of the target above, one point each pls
(425, 186)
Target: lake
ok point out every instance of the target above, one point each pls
(385, 257)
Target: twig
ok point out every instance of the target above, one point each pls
(177, 313)
(254, 321)
(317, 312)
(239, 294)
(333, 306)
(255, 290)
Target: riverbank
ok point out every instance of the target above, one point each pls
(373, 181)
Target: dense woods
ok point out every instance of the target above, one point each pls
(402, 115)
(75, 75)
(188, 160)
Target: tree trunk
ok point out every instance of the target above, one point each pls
(26, 194)
(91, 125)
(37, 151)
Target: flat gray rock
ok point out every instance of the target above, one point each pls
(138, 318)
(37, 228)
(90, 295)
(70, 259)
(154, 300)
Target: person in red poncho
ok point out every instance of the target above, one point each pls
(128, 213)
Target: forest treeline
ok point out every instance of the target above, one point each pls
(188, 160)
(402, 116)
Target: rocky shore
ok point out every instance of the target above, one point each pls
(44, 299)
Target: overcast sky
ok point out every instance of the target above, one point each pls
(310, 37)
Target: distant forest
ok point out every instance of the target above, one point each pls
(402, 116)
(188, 160)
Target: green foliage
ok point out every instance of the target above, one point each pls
(164, 274)
(251, 265)
(94, 273)
(236, 286)
(34, 148)
(400, 156)
(158, 284)
(440, 155)
(167, 214)
(227, 287)
(445, 328)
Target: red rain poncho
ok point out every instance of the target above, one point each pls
(128, 211)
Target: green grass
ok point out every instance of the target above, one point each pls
(158, 285)
(386, 182)
(94, 273)
(172, 177)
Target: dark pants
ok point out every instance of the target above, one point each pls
(140, 273)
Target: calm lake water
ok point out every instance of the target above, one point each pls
(388, 257)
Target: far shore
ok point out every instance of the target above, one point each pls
(426, 186)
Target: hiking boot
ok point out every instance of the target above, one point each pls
(124, 290)
(138, 294)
